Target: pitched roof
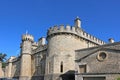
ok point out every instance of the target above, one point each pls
(84, 53)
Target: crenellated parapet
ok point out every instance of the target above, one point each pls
(35, 44)
(61, 29)
(91, 38)
(12, 59)
(27, 37)
(27, 43)
(73, 31)
(42, 41)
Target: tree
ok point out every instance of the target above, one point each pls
(3, 59)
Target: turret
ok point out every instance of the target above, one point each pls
(26, 50)
(111, 40)
(27, 41)
(41, 41)
(77, 22)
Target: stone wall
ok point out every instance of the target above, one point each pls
(98, 76)
(1, 70)
(12, 69)
(109, 65)
(38, 63)
(106, 66)
(16, 69)
(25, 67)
(62, 47)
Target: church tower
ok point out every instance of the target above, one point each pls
(26, 49)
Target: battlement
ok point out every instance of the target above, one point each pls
(62, 29)
(74, 31)
(35, 44)
(91, 38)
(27, 37)
(11, 59)
(42, 41)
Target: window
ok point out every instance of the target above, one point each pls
(88, 44)
(102, 56)
(82, 68)
(49, 67)
(37, 60)
(61, 67)
(41, 68)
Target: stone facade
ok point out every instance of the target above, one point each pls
(68, 49)
(1, 70)
(101, 61)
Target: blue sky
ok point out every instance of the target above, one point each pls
(100, 18)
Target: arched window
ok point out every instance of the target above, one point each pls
(61, 67)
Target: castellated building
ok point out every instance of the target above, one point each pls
(69, 54)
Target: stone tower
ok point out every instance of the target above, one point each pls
(26, 50)
(62, 43)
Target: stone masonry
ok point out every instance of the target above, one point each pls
(70, 53)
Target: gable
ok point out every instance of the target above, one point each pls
(83, 53)
(104, 60)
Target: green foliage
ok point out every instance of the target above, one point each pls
(2, 57)
(3, 64)
(118, 78)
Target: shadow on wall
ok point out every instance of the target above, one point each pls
(37, 75)
(39, 67)
(17, 71)
(70, 75)
(37, 78)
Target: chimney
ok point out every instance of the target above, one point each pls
(77, 22)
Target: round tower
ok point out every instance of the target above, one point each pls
(26, 49)
(27, 41)
(62, 43)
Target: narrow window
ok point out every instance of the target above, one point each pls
(41, 68)
(82, 68)
(88, 44)
(61, 67)
(49, 67)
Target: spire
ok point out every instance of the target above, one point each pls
(26, 31)
(77, 18)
